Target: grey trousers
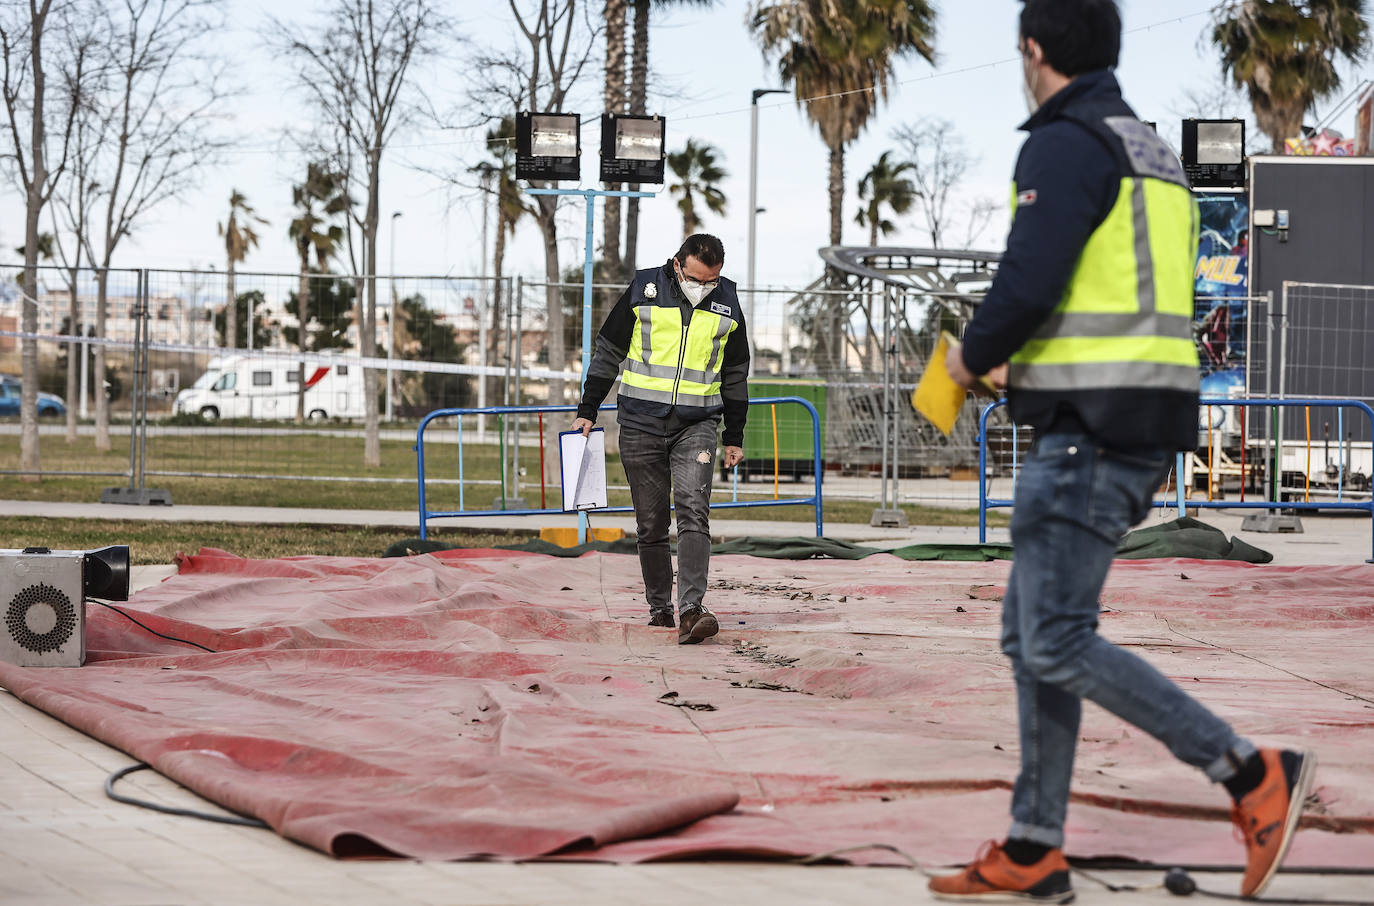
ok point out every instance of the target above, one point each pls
(684, 462)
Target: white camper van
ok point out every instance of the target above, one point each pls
(266, 388)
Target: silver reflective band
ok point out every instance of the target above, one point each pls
(1094, 324)
(1144, 262)
(669, 373)
(1103, 375)
(643, 393)
(664, 396)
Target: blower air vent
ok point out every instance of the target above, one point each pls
(41, 619)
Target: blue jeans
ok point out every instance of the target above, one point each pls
(1074, 501)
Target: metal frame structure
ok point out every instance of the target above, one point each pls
(814, 500)
(1181, 503)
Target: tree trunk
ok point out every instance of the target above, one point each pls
(548, 226)
(231, 309)
(38, 177)
(102, 401)
(639, 78)
(836, 193)
(494, 346)
(74, 350)
(303, 316)
(372, 450)
(873, 232)
(614, 103)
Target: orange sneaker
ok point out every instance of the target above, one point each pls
(993, 876)
(1268, 815)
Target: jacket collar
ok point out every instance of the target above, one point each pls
(1098, 85)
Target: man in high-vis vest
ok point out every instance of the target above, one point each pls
(678, 330)
(1091, 310)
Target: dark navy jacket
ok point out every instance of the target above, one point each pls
(613, 344)
(1076, 179)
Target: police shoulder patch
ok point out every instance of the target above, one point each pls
(1148, 153)
(1026, 198)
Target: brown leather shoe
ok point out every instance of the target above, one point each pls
(695, 625)
(662, 618)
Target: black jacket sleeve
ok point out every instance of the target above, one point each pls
(1067, 181)
(734, 386)
(611, 347)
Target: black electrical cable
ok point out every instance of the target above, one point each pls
(170, 638)
(1179, 882)
(170, 810)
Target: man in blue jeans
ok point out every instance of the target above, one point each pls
(1088, 323)
(676, 339)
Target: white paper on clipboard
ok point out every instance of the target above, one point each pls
(583, 461)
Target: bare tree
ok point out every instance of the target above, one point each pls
(162, 94)
(37, 156)
(358, 66)
(74, 206)
(558, 40)
(941, 162)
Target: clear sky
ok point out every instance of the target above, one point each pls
(704, 63)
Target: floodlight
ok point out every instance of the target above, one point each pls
(1214, 153)
(548, 146)
(632, 148)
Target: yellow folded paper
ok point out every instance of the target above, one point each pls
(937, 396)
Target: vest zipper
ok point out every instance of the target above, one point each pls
(681, 355)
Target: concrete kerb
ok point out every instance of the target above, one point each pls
(1327, 539)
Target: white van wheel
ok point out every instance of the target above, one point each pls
(318, 415)
(209, 413)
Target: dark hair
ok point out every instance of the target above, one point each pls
(704, 247)
(1077, 36)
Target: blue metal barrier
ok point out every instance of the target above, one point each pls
(986, 503)
(426, 514)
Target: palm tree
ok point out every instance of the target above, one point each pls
(884, 184)
(1283, 52)
(839, 54)
(698, 176)
(639, 87)
(614, 103)
(312, 229)
(498, 175)
(239, 238)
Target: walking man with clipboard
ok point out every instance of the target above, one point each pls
(676, 339)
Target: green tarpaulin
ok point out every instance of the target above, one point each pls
(1187, 538)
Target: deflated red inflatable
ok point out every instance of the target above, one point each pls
(484, 703)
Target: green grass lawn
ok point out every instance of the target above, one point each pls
(192, 469)
(159, 542)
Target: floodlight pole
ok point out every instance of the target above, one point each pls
(591, 195)
(754, 208)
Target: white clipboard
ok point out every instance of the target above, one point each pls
(583, 467)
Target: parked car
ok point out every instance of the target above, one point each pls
(49, 405)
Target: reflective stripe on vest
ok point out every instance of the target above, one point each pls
(672, 363)
(1125, 319)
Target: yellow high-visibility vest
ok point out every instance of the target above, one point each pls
(673, 362)
(1125, 319)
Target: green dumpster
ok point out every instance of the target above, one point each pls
(793, 457)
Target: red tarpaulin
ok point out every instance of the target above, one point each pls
(515, 705)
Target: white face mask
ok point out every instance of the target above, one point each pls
(1030, 78)
(694, 291)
